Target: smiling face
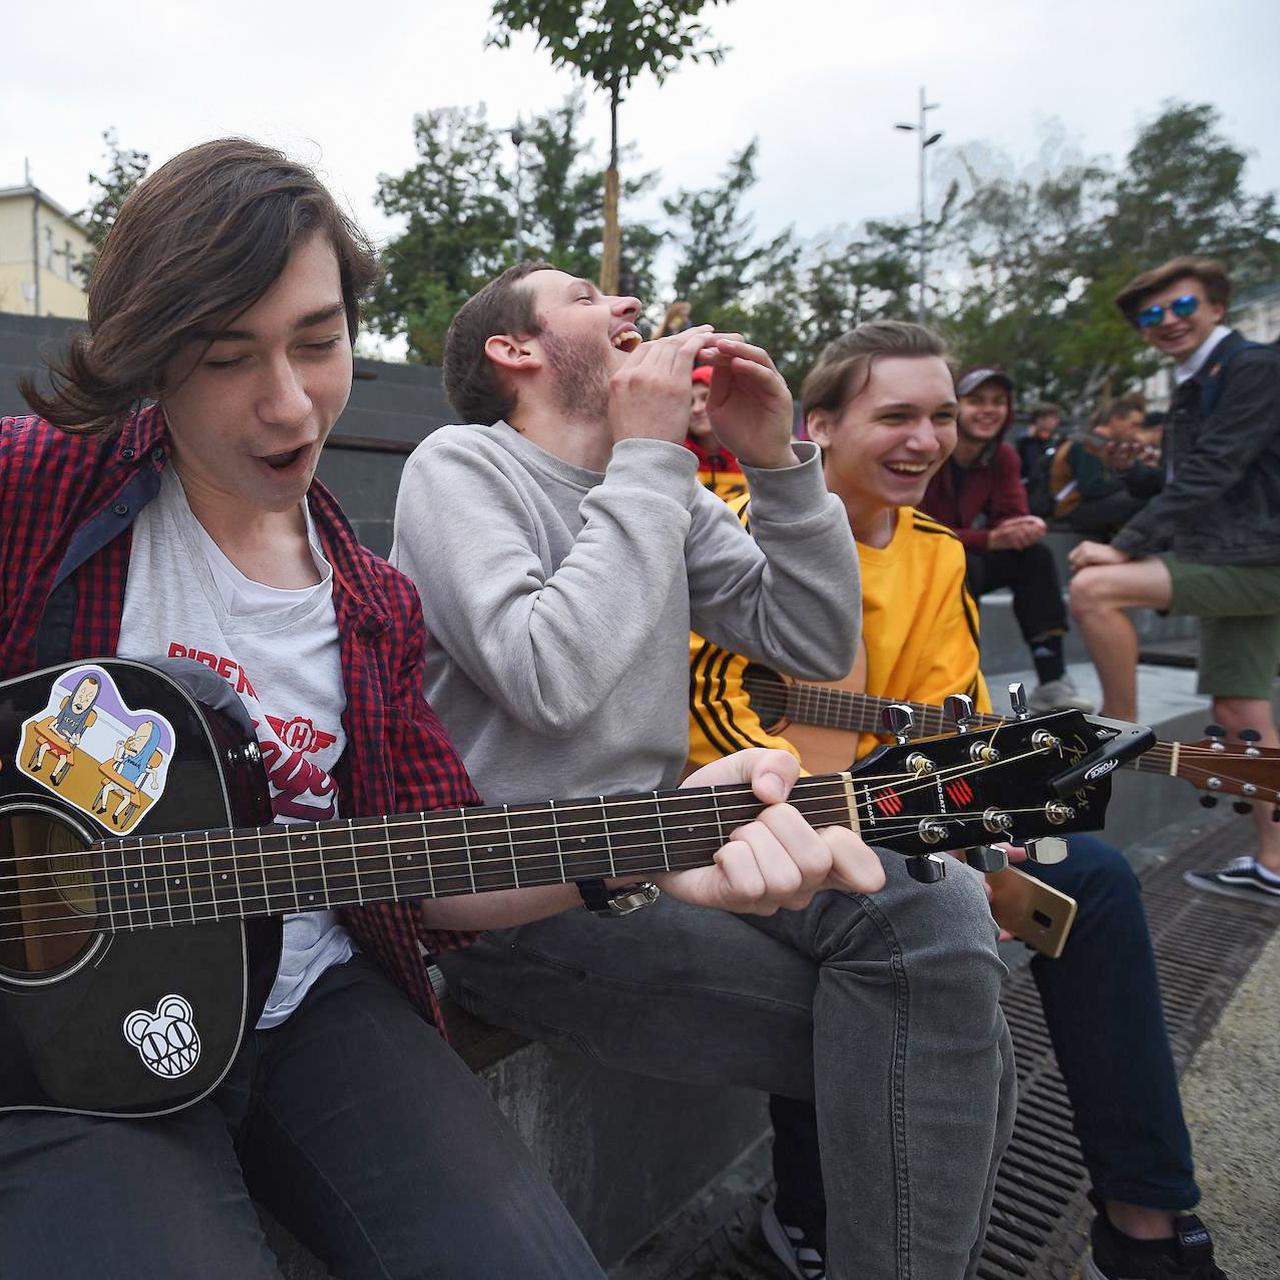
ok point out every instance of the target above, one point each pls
(248, 414)
(586, 336)
(984, 411)
(1179, 337)
(884, 446)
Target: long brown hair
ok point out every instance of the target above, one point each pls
(195, 244)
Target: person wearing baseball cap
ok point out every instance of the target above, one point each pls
(979, 494)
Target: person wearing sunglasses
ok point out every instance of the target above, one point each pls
(1208, 544)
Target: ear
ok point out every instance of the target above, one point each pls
(819, 424)
(136, 1025)
(512, 354)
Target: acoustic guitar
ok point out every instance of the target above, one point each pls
(132, 962)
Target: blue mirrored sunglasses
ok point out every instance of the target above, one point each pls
(1184, 306)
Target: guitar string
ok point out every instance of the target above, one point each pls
(905, 784)
(284, 885)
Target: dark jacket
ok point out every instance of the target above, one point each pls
(990, 489)
(1222, 503)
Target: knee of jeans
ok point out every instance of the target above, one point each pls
(945, 927)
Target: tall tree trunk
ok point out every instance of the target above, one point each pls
(612, 252)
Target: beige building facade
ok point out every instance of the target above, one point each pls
(41, 245)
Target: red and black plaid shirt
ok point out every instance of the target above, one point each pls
(399, 759)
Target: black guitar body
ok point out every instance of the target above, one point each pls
(69, 988)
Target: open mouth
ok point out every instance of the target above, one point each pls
(281, 461)
(908, 469)
(626, 340)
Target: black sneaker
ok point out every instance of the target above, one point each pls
(1188, 1256)
(1240, 878)
(798, 1251)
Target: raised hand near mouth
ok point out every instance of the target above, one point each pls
(649, 396)
(749, 403)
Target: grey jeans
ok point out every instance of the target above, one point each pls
(881, 1009)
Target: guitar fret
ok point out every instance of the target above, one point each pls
(355, 861)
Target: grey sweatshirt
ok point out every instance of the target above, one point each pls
(559, 601)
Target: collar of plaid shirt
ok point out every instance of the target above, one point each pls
(59, 490)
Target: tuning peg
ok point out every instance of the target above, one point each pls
(1216, 735)
(1242, 806)
(986, 857)
(898, 719)
(927, 869)
(1275, 814)
(1210, 802)
(1018, 701)
(1249, 735)
(1046, 850)
(959, 709)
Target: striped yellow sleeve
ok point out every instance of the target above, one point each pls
(721, 718)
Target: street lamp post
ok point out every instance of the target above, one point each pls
(926, 140)
(517, 140)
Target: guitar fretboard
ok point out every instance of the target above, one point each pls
(189, 877)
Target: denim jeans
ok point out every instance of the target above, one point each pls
(1102, 1006)
(882, 1011)
(353, 1122)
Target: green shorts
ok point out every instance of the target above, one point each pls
(1239, 611)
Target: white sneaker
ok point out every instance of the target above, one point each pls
(792, 1246)
(1058, 695)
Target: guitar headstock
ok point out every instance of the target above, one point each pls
(1219, 767)
(1021, 780)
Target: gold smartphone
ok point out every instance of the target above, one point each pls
(1031, 910)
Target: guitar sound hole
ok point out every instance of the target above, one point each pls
(48, 893)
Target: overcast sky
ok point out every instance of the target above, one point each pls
(820, 82)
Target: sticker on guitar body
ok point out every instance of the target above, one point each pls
(167, 1041)
(98, 754)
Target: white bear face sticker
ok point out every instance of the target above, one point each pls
(167, 1040)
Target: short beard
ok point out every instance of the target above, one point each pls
(580, 377)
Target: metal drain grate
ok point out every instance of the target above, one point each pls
(1204, 944)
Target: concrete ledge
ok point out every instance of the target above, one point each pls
(623, 1152)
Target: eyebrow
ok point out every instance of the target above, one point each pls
(584, 284)
(903, 406)
(318, 316)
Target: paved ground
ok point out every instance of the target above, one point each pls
(1232, 1105)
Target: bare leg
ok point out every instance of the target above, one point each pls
(1234, 714)
(1139, 1222)
(1099, 597)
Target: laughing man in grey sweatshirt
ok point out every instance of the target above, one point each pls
(563, 548)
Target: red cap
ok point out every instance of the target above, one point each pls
(702, 373)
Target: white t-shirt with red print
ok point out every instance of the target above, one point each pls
(279, 650)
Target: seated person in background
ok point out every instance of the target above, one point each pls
(1208, 544)
(979, 495)
(1036, 450)
(880, 404)
(563, 547)
(718, 469)
(1090, 474)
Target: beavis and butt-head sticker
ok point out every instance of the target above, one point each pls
(100, 755)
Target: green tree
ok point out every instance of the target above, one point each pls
(1036, 260)
(459, 207)
(612, 43)
(125, 169)
(460, 223)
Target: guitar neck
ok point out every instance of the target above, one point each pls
(191, 877)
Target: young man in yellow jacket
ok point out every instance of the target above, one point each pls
(881, 405)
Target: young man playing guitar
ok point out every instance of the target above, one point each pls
(228, 291)
(562, 543)
(881, 404)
